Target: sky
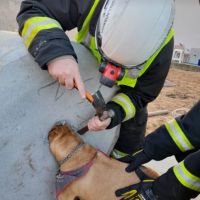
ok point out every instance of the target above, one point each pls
(187, 23)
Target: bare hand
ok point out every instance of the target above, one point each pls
(66, 71)
(95, 124)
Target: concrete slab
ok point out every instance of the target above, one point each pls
(28, 110)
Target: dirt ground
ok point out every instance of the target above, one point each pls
(182, 91)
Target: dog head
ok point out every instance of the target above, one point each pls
(61, 140)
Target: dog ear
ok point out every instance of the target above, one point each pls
(52, 134)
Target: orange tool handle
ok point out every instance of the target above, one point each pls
(89, 96)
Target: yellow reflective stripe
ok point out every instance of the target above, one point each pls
(36, 31)
(137, 152)
(152, 58)
(34, 25)
(118, 154)
(129, 194)
(127, 80)
(94, 50)
(82, 33)
(125, 102)
(148, 180)
(178, 136)
(186, 178)
(30, 21)
(26, 34)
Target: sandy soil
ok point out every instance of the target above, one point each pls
(183, 95)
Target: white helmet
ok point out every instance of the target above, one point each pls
(129, 32)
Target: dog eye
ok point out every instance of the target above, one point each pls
(76, 198)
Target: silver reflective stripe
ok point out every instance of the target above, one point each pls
(134, 72)
(178, 136)
(36, 24)
(128, 108)
(186, 178)
(117, 154)
(87, 40)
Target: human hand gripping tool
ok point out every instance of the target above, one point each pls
(99, 104)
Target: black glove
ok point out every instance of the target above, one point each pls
(135, 160)
(140, 191)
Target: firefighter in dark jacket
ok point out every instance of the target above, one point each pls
(133, 38)
(180, 137)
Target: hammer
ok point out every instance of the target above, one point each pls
(99, 104)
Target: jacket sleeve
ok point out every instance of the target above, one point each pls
(181, 181)
(42, 25)
(177, 137)
(130, 100)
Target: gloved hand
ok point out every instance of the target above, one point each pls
(140, 191)
(65, 70)
(135, 160)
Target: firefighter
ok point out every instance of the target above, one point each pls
(180, 137)
(132, 41)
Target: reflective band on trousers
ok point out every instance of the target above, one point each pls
(186, 178)
(118, 154)
(178, 136)
(34, 25)
(124, 101)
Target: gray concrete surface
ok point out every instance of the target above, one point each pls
(28, 111)
(9, 10)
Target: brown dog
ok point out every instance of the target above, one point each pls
(98, 175)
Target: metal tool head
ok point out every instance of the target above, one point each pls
(99, 103)
(100, 107)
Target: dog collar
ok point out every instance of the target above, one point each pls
(73, 151)
(63, 179)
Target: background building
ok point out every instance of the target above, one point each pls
(195, 56)
(187, 56)
(178, 54)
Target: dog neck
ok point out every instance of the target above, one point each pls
(70, 154)
(80, 158)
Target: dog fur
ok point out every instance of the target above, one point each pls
(104, 177)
